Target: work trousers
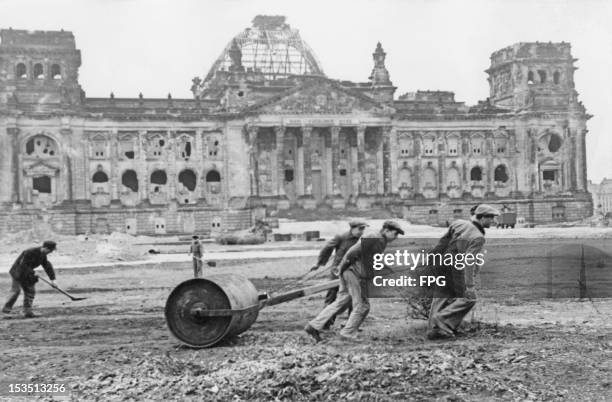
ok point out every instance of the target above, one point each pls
(29, 291)
(447, 313)
(330, 297)
(197, 267)
(353, 292)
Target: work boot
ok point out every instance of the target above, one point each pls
(30, 314)
(435, 334)
(313, 332)
(6, 310)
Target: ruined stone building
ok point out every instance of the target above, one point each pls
(266, 128)
(602, 196)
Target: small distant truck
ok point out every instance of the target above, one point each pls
(506, 220)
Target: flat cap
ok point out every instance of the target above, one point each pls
(392, 225)
(485, 209)
(51, 245)
(357, 222)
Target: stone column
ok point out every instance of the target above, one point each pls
(141, 169)
(417, 145)
(380, 163)
(361, 158)
(488, 149)
(114, 174)
(335, 149)
(306, 134)
(253, 151)
(13, 133)
(280, 159)
(580, 160)
(392, 160)
(172, 173)
(387, 174)
(65, 183)
(441, 175)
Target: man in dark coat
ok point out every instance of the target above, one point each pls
(339, 244)
(454, 301)
(355, 272)
(196, 254)
(23, 276)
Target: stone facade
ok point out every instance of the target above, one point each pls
(264, 138)
(602, 196)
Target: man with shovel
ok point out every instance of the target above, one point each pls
(23, 276)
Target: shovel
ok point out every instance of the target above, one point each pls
(62, 291)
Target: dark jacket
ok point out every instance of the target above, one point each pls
(23, 267)
(462, 237)
(359, 258)
(196, 248)
(340, 244)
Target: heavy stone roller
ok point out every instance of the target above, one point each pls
(202, 312)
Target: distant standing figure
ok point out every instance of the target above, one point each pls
(23, 276)
(196, 253)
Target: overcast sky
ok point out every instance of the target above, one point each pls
(157, 46)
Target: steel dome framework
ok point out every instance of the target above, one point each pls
(272, 48)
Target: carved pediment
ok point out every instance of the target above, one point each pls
(40, 169)
(320, 97)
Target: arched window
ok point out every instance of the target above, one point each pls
(159, 177)
(38, 71)
(554, 143)
(188, 179)
(476, 173)
(213, 177)
(501, 174)
(429, 178)
(100, 177)
(56, 72)
(130, 180)
(21, 71)
(542, 75)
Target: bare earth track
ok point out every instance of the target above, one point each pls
(115, 345)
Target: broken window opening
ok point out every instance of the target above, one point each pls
(186, 152)
(129, 154)
(342, 172)
(188, 178)
(476, 174)
(100, 177)
(554, 143)
(159, 177)
(56, 72)
(530, 77)
(501, 174)
(289, 175)
(556, 77)
(38, 71)
(542, 75)
(130, 180)
(21, 71)
(549, 175)
(41, 146)
(42, 184)
(213, 177)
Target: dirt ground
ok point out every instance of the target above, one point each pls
(115, 345)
